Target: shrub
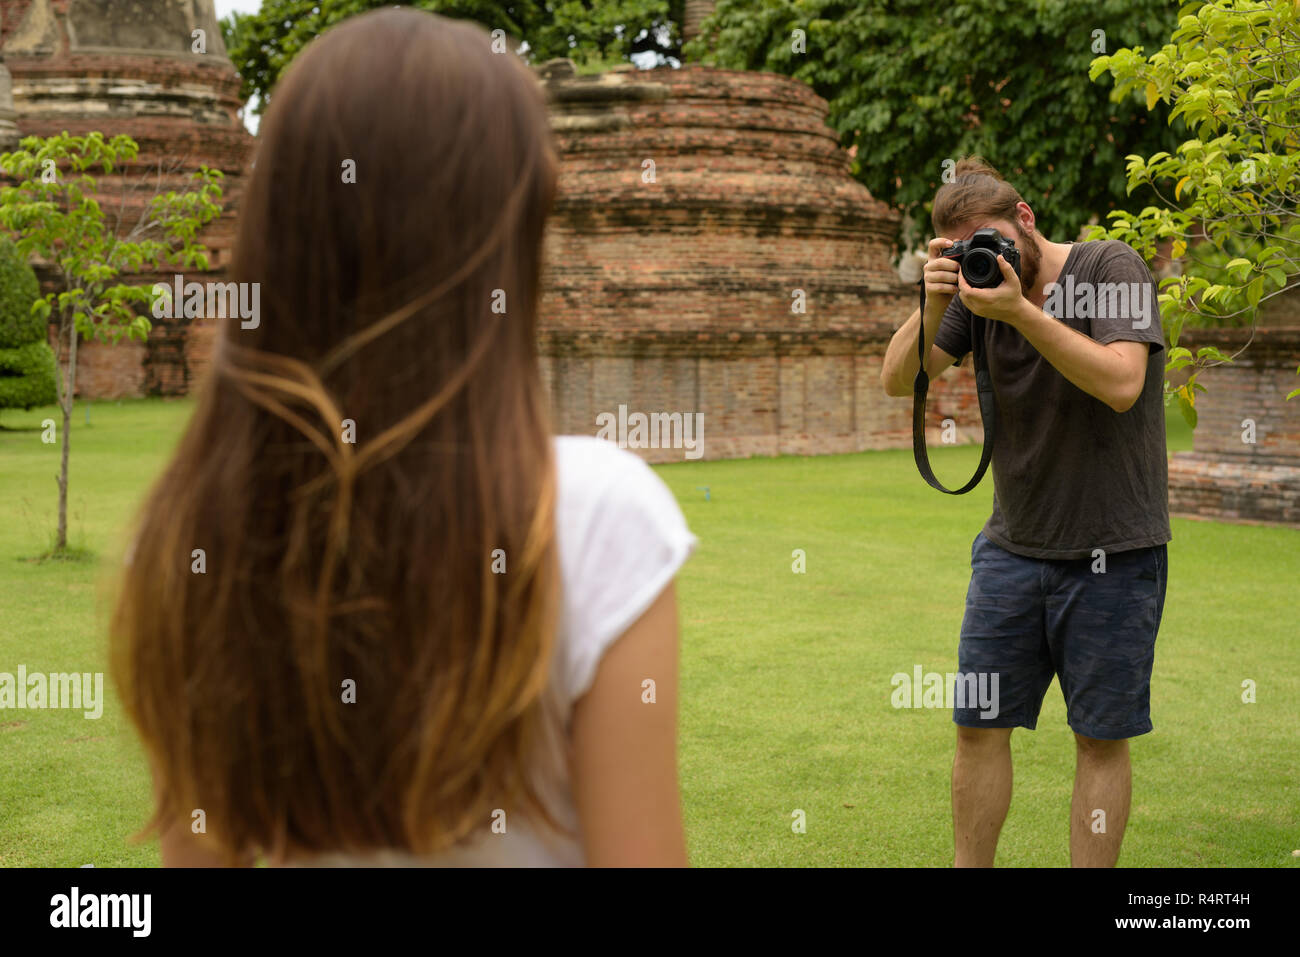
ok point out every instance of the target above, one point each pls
(27, 370)
(27, 376)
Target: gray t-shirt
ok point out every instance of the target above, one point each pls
(1070, 474)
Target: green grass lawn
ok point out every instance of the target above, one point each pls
(785, 677)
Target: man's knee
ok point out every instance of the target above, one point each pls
(1099, 749)
(983, 740)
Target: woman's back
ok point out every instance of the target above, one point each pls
(407, 625)
(621, 540)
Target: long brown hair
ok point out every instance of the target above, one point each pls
(363, 661)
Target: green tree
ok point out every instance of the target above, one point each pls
(1227, 198)
(53, 209)
(263, 44)
(27, 376)
(914, 84)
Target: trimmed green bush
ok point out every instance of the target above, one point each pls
(27, 374)
(18, 290)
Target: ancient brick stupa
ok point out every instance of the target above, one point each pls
(711, 254)
(157, 71)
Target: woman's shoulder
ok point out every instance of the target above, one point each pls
(621, 538)
(596, 452)
(594, 473)
(585, 456)
(602, 488)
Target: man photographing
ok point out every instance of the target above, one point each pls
(1068, 573)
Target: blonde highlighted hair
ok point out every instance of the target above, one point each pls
(351, 673)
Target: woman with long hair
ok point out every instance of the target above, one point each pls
(420, 629)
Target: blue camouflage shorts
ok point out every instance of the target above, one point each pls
(1028, 619)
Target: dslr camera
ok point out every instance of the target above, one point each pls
(978, 257)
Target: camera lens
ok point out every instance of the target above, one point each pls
(980, 267)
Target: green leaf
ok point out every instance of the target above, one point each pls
(1254, 290)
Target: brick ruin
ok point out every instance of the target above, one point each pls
(676, 295)
(710, 252)
(1245, 462)
(130, 66)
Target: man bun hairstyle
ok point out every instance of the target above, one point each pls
(977, 192)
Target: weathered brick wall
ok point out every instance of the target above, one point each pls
(668, 295)
(674, 292)
(1249, 395)
(126, 66)
(12, 13)
(1224, 488)
(1228, 476)
(759, 395)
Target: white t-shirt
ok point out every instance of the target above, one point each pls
(621, 539)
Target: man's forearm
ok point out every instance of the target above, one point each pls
(1095, 368)
(898, 370)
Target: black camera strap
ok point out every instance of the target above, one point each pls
(983, 389)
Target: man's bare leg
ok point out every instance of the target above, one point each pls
(981, 793)
(1103, 781)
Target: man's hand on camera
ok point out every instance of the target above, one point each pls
(1004, 303)
(940, 277)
